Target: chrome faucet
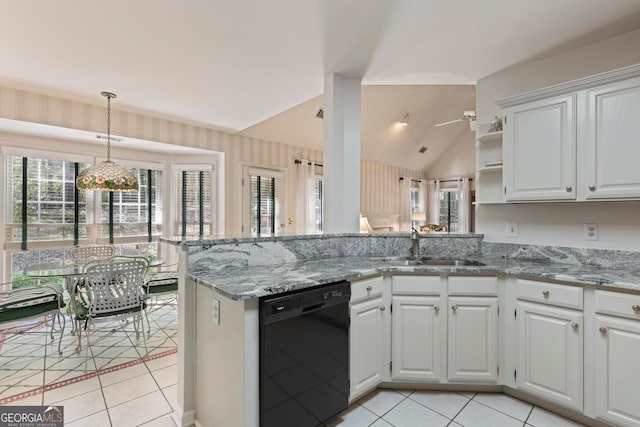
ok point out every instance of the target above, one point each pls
(415, 243)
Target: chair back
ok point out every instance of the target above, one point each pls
(113, 286)
(89, 252)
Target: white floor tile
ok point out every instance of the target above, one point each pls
(166, 376)
(81, 406)
(477, 415)
(543, 418)
(101, 419)
(28, 401)
(162, 362)
(123, 374)
(445, 403)
(411, 414)
(139, 411)
(381, 401)
(127, 390)
(164, 421)
(381, 423)
(467, 394)
(171, 394)
(404, 392)
(505, 404)
(72, 390)
(355, 416)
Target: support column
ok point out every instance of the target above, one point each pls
(341, 155)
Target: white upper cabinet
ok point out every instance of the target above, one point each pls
(540, 150)
(612, 137)
(574, 141)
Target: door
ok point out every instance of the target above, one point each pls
(539, 150)
(263, 198)
(550, 359)
(367, 346)
(612, 149)
(617, 371)
(473, 339)
(418, 341)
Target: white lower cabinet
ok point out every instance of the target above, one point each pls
(549, 354)
(417, 338)
(473, 339)
(617, 370)
(368, 336)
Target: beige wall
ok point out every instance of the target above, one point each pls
(379, 183)
(459, 160)
(560, 223)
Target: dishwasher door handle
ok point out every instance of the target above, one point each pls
(311, 308)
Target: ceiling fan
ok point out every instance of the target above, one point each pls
(468, 115)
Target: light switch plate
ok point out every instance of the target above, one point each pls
(591, 231)
(512, 229)
(216, 312)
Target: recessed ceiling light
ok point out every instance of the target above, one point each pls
(422, 149)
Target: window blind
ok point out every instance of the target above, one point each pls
(265, 204)
(194, 189)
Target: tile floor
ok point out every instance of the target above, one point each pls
(120, 388)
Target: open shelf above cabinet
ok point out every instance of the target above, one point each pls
(490, 136)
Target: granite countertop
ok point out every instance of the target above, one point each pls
(240, 283)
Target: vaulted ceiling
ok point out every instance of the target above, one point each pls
(257, 67)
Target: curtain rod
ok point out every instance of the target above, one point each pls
(299, 161)
(413, 180)
(439, 180)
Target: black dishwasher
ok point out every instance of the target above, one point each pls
(304, 356)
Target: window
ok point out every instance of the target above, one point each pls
(264, 201)
(194, 194)
(317, 203)
(448, 216)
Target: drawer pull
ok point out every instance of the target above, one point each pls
(635, 307)
(369, 288)
(592, 188)
(603, 330)
(436, 308)
(545, 294)
(568, 188)
(382, 308)
(454, 307)
(574, 325)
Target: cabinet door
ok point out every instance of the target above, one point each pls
(617, 371)
(417, 342)
(550, 343)
(612, 148)
(473, 339)
(539, 146)
(366, 346)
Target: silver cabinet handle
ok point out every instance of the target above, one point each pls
(436, 308)
(574, 325)
(603, 330)
(592, 188)
(635, 307)
(382, 308)
(369, 288)
(568, 188)
(454, 307)
(545, 294)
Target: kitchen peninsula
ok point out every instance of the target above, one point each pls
(223, 280)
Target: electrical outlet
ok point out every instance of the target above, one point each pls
(591, 232)
(512, 229)
(216, 312)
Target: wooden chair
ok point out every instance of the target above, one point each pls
(91, 252)
(110, 289)
(32, 302)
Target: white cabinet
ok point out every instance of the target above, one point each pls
(550, 359)
(473, 339)
(368, 346)
(617, 346)
(540, 150)
(489, 168)
(611, 140)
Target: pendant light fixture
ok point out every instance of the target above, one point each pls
(107, 176)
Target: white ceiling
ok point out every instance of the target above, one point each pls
(234, 64)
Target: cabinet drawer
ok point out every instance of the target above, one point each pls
(367, 288)
(417, 285)
(550, 293)
(618, 304)
(473, 285)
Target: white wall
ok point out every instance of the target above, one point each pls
(560, 223)
(459, 160)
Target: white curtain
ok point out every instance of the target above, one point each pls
(433, 202)
(464, 205)
(405, 204)
(422, 199)
(303, 221)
